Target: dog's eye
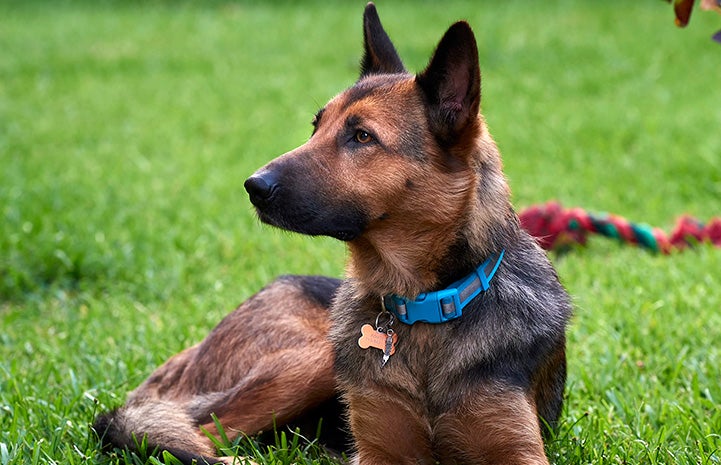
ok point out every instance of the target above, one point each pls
(362, 137)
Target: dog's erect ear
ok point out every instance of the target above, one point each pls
(452, 82)
(379, 56)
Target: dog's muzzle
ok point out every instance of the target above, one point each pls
(296, 204)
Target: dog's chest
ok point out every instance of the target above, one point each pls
(418, 367)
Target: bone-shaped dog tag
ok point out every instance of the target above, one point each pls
(370, 337)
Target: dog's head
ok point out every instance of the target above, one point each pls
(394, 159)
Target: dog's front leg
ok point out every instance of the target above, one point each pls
(492, 426)
(388, 430)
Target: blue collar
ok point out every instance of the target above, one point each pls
(447, 304)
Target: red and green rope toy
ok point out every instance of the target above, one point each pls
(556, 227)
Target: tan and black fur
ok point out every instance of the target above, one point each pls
(268, 363)
(403, 169)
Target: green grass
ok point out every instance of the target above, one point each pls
(127, 129)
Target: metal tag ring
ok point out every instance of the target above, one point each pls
(389, 323)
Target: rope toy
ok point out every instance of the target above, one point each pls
(555, 227)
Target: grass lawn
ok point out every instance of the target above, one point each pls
(127, 129)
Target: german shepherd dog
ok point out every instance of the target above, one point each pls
(446, 340)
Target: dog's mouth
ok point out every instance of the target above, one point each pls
(346, 235)
(297, 221)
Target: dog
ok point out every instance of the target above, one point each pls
(445, 342)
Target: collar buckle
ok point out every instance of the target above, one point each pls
(429, 307)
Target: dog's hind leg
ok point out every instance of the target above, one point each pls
(267, 363)
(548, 388)
(281, 388)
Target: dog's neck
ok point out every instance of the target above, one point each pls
(414, 268)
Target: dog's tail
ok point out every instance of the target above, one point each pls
(161, 426)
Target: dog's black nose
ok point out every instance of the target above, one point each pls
(260, 187)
